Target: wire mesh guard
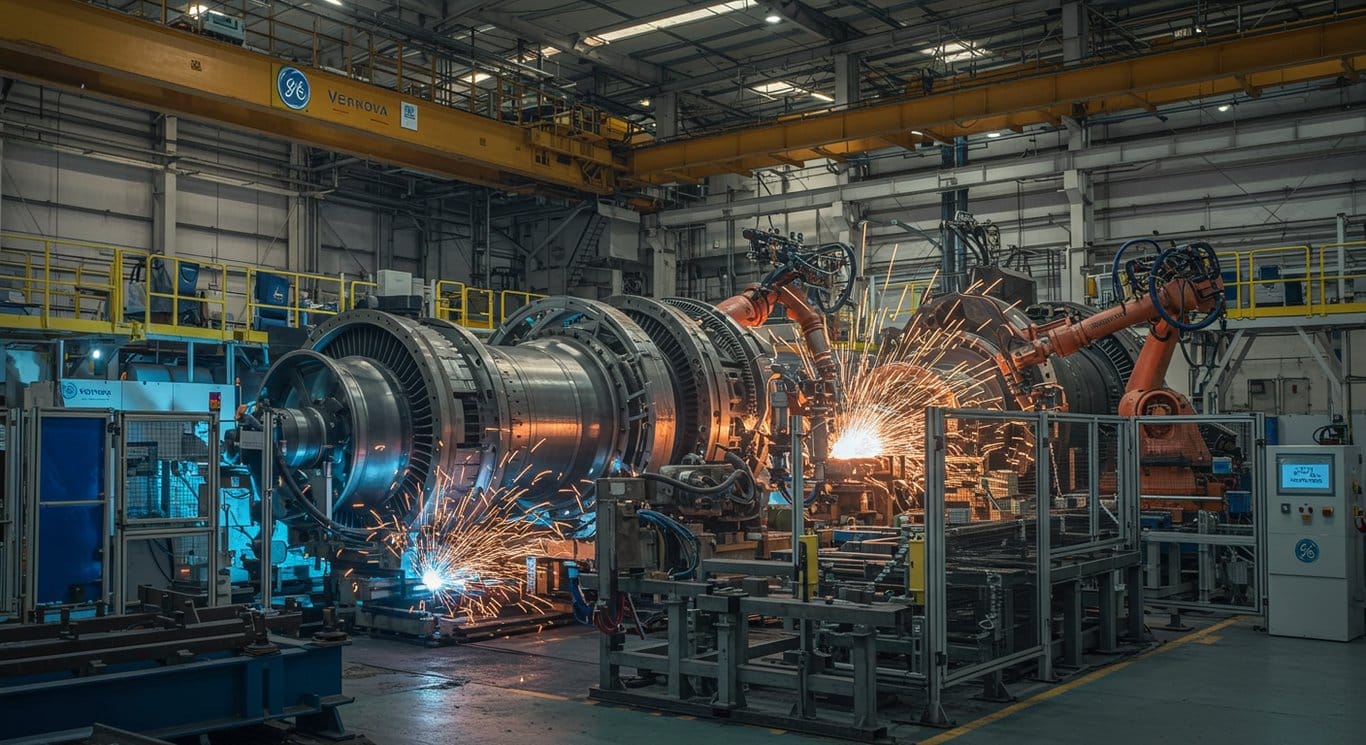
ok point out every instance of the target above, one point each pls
(166, 469)
(1203, 542)
(992, 547)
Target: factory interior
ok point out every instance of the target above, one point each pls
(409, 372)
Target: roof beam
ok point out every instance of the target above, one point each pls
(917, 37)
(1296, 55)
(815, 21)
(623, 64)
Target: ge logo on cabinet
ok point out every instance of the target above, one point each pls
(1307, 551)
(291, 85)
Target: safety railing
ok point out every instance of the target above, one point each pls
(510, 301)
(357, 291)
(477, 308)
(67, 286)
(1295, 280)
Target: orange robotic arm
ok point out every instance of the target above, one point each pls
(1067, 336)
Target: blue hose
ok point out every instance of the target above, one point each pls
(583, 612)
(1119, 256)
(1174, 322)
(681, 533)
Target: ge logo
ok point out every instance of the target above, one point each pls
(291, 85)
(68, 389)
(1307, 551)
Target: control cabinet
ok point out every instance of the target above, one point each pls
(1314, 542)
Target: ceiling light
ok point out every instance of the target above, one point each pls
(773, 17)
(993, 135)
(195, 11)
(822, 97)
(1225, 106)
(645, 102)
(593, 41)
(335, 2)
(676, 20)
(917, 132)
(955, 51)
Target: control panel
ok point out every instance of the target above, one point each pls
(1314, 542)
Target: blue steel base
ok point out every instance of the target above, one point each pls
(303, 680)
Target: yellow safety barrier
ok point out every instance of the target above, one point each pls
(358, 289)
(477, 308)
(1295, 280)
(510, 301)
(450, 301)
(80, 287)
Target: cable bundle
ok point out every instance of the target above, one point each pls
(689, 544)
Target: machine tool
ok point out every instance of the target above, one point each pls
(379, 416)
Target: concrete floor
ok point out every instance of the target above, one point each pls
(1230, 683)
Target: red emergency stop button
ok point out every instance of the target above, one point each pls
(1327, 511)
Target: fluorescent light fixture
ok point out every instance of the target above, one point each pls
(335, 2)
(773, 18)
(917, 133)
(993, 135)
(776, 88)
(1225, 106)
(719, 9)
(954, 51)
(822, 97)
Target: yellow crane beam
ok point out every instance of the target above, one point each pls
(1323, 50)
(75, 45)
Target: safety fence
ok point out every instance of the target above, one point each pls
(1021, 509)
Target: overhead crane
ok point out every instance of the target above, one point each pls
(1025, 95)
(76, 45)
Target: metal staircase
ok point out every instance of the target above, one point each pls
(585, 251)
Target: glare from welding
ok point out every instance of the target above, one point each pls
(889, 383)
(860, 438)
(469, 549)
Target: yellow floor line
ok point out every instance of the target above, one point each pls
(538, 694)
(1056, 691)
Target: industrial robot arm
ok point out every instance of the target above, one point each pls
(827, 274)
(1181, 283)
(1185, 292)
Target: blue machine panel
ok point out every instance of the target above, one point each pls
(74, 452)
(71, 509)
(70, 548)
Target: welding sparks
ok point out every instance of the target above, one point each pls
(890, 382)
(860, 438)
(469, 549)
